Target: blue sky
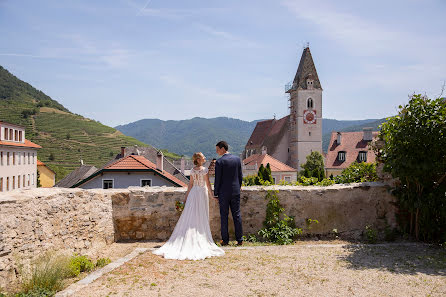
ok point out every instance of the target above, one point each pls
(124, 60)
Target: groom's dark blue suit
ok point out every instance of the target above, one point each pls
(228, 180)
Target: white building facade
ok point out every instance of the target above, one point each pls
(18, 159)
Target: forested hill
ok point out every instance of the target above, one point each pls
(65, 137)
(185, 137)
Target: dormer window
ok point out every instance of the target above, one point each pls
(362, 157)
(310, 103)
(341, 156)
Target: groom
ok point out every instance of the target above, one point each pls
(228, 181)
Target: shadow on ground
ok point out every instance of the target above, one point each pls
(397, 258)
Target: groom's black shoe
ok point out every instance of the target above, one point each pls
(222, 243)
(239, 243)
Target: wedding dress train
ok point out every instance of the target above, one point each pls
(192, 239)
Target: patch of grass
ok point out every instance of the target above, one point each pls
(103, 262)
(80, 264)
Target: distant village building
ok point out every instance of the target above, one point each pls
(348, 147)
(47, 177)
(279, 170)
(133, 170)
(76, 176)
(18, 158)
(292, 138)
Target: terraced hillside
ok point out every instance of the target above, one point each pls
(65, 137)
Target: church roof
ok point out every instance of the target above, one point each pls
(268, 133)
(276, 165)
(306, 70)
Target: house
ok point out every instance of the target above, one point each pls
(18, 158)
(151, 154)
(348, 147)
(132, 170)
(47, 177)
(292, 138)
(279, 170)
(76, 176)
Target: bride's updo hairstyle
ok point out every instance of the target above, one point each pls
(196, 156)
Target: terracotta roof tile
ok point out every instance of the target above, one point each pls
(275, 164)
(133, 162)
(352, 143)
(19, 144)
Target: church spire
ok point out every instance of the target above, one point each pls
(306, 71)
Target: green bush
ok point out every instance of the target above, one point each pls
(38, 292)
(314, 167)
(102, 262)
(80, 264)
(325, 182)
(278, 227)
(357, 172)
(46, 275)
(371, 234)
(308, 181)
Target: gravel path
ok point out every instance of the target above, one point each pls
(302, 269)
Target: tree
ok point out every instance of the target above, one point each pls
(413, 149)
(267, 174)
(314, 167)
(38, 179)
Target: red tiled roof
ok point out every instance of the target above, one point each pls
(275, 164)
(26, 144)
(139, 162)
(351, 143)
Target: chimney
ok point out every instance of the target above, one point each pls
(122, 151)
(367, 133)
(183, 165)
(264, 150)
(159, 161)
(338, 139)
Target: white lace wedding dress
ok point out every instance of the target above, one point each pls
(192, 239)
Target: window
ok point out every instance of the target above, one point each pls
(20, 136)
(146, 182)
(19, 156)
(274, 179)
(1, 184)
(16, 135)
(309, 133)
(13, 182)
(13, 158)
(29, 180)
(7, 183)
(107, 184)
(7, 158)
(24, 180)
(32, 181)
(33, 158)
(29, 161)
(11, 134)
(1, 158)
(6, 134)
(18, 181)
(362, 157)
(287, 178)
(341, 156)
(310, 103)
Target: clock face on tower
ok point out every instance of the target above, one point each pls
(309, 116)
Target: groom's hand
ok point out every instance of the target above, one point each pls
(216, 198)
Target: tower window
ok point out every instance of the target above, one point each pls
(309, 133)
(310, 103)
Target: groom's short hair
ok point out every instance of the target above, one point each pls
(222, 144)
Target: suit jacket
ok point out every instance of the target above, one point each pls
(228, 176)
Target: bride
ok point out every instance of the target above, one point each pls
(192, 239)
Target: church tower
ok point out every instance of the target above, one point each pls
(305, 126)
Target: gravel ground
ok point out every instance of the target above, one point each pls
(302, 269)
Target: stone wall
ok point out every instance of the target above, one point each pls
(83, 221)
(149, 214)
(38, 220)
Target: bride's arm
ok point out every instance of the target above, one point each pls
(208, 183)
(191, 183)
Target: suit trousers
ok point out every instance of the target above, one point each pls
(233, 202)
